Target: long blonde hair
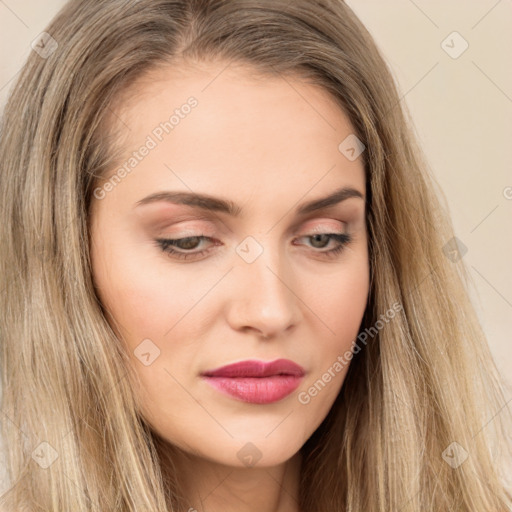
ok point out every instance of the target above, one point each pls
(420, 384)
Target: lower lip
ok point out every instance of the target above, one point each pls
(256, 390)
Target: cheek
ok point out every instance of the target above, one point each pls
(145, 309)
(341, 306)
(143, 302)
(342, 303)
(347, 304)
(342, 299)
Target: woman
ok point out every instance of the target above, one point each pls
(230, 284)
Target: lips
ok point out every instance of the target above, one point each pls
(257, 382)
(254, 368)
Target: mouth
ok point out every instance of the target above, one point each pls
(256, 382)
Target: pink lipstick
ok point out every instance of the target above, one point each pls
(257, 382)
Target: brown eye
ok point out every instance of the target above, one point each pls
(189, 243)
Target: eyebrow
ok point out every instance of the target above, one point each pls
(217, 204)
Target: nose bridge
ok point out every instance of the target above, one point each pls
(265, 299)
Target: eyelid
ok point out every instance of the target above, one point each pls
(201, 231)
(189, 230)
(209, 226)
(317, 226)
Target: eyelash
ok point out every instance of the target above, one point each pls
(342, 239)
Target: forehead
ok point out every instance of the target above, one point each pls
(229, 95)
(245, 131)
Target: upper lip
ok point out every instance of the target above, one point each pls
(256, 368)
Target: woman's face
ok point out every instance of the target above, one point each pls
(237, 166)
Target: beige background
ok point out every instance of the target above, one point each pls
(462, 110)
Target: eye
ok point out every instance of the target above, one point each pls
(180, 247)
(322, 239)
(185, 244)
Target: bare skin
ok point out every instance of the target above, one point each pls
(269, 145)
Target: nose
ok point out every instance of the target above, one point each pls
(264, 296)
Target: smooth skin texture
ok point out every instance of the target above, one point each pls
(268, 145)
